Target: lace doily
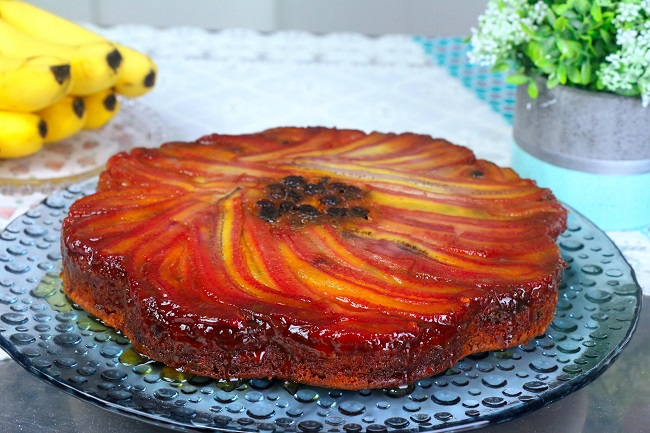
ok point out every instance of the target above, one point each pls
(235, 81)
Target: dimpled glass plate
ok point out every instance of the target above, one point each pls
(599, 302)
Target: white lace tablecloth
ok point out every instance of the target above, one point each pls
(240, 81)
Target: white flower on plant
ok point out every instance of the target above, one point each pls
(625, 37)
(501, 29)
(627, 12)
(538, 13)
(645, 6)
(629, 67)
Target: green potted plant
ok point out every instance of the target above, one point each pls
(582, 121)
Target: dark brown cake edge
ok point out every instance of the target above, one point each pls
(499, 324)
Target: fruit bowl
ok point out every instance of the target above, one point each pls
(82, 156)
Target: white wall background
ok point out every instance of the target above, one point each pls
(422, 17)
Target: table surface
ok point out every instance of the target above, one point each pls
(238, 81)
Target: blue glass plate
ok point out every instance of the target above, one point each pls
(598, 308)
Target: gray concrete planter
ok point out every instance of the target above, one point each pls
(594, 132)
(592, 149)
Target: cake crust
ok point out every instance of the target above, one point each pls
(323, 256)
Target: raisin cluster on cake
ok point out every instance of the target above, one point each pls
(323, 256)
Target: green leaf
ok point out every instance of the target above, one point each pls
(596, 12)
(574, 75)
(552, 82)
(533, 90)
(560, 24)
(583, 6)
(528, 31)
(606, 36)
(560, 73)
(549, 42)
(517, 79)
(571, 15)
(585, 72)
(548, 68)
(550, 16)
(560, 9)
(534, 51)
(569, 49)
(500, 67)
(588, 40)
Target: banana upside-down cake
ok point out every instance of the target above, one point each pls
(328, 257)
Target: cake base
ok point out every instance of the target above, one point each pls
(504, 322)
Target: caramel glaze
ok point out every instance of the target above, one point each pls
(224, 257)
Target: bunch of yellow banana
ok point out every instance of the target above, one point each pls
(58, 78)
